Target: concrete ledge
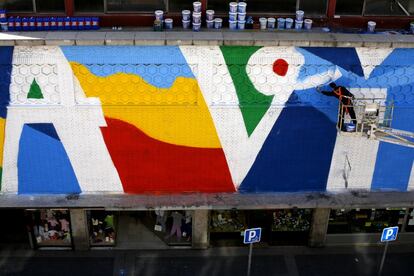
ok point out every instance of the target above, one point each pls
(341, 199)
(90, 38)
(179, 38)
(149, 38)
(207, 37)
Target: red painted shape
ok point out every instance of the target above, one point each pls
(146, 165)
(280, 67)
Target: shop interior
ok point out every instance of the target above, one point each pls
(14, 231)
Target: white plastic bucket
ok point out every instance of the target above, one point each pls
(241, 24)
(412, 27)
(218, 23)
(241, 16)
(298, 24)
(232, 25)
(159, 15)
(4, 26)
(210, 15)
(281, 23)
(186, 14)
(232, 16)
(233, 7)
(186, 24)
(308, 24)
(263, 23)
(196, 17)
(371, 26)
(241, 7)
(271, 22)
(350, 127)
(210, 24)
(299, 15)
(196, 27)
(288, 23)
(197, 6)
(168, 23)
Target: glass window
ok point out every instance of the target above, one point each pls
(51, 227)
(134, 5)
(17, 5)
(410, 221)
(89, 6)
(388, 7)
(50, 6)
(349, 7)
(291, 220)
(179, 5)
(314, 7)
(364, 220)
(276, 6)
(102, 228)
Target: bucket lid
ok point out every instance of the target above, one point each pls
(242, 4)
(233, 4)
(159, 12)
(185, 11)
(209, 11)
(308, 20)
(168, 20)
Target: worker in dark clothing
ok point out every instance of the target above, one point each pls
(346, 99)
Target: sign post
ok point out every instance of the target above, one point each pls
(251, 236)
(388, 234)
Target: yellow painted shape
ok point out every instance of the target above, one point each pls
(177, 115)
(2, 131)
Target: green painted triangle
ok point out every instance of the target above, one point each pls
(35, 92)
(253, 104)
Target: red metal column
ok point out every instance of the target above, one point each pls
(330, 13)
(69, 7)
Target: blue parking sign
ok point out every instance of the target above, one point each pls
(252, 235)
(389, 234)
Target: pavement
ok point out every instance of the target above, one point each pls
(284, 260)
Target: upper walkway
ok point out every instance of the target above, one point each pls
(144, 36)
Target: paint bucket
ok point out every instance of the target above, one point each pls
(271, 22)
(281, 23)
(186, 14)
(210, 24)
(209, 15)
(81, 23)
(53, 23)
(39, 24)
(18, 24)
(232, 25)
(67, 23)
(241, 16)
(25, 24)
(233, 7)
(263, 23)
(159, 15)
(196, 27)
(3, 16)
(308, 24)
(197, 17)
(232, 16)
(241, 24)
(350, 127)
(186, 24)
(412, 27)
(60, 23)
(298, 24)
(288, 23)
(241, 7)
(371, 26)
(10, 23)
(197, 6)
(4, 26)
(299, 15)
(74, 23)
(88, 23)
(95, 23)
(168, 22)
(218, 23)
(46, 23)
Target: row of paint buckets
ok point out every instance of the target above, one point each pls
(50, 23)
(284, 23)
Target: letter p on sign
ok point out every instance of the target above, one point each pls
(252, 235)
(389, 234)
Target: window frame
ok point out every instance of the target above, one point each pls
(363, 13)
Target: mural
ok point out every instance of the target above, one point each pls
(161, 119)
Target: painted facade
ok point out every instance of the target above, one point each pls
(197, 119)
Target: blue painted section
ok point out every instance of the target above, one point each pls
(157, 65)
(43, 165)
(346, 58)
(46, 129)
(296, 155)
(6, 57)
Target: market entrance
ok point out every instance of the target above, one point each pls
(14, 231)
(158, 229)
